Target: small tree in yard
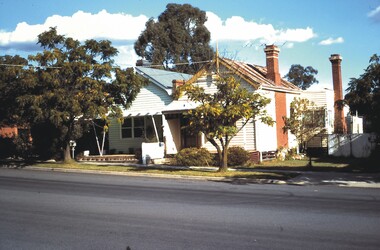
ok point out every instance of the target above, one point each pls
(74, 85)
(305, 121)
(218, 113)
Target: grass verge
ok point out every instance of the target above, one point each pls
(238, 174)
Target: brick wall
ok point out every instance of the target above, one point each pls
(273, 73)
(8, 131)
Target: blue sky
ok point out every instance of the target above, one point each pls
(307, 32)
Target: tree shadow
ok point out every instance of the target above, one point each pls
(350, 164)
(328, 164)
(259, 178)
(15, 164)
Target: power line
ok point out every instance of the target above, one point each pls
(30, 66)
(146, 66)
(175, 64)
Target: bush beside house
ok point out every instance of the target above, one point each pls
(194, 157)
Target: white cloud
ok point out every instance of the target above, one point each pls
(375, 14)
(123, 29)
(289, 45)
(81, 26)
(236, 28)
(127, 56)
(119, 28)
(331, 40)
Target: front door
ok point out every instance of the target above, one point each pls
(188, 139)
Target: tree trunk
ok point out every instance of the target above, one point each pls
(67, 153)
(219, 150)
(67, 150)
(223, 167)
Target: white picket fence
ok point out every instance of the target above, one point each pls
(351, 145)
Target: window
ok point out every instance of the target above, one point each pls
(126, 128)
(314, 118)
(133, 127)
(138, 127)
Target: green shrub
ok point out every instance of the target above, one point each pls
(7, 147)
(16, 146)
(237, 156)
(194, 157)
(291, 154)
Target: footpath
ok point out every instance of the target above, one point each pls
(303, 178)
(365, 180)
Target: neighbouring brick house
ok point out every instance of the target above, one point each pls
(8, 132)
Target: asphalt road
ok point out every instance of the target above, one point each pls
(51, 210)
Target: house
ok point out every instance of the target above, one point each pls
(323, 98)
(8, 132)
(156, 116)
(342, 133)
(145, 119)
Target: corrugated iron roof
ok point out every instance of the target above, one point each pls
(256, 75)
(162, 77)
(253, 74)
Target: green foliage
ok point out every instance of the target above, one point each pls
(23, 145)
(47, 140)
(7, 147)
(364, 93)
(16, 146)
(179, 37)
(194, 157)
(73, 85)
(302, 77)
(218, 114)
(10, 78)
(237, 156)
(305, 121)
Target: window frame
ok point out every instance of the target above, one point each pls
(133, 128)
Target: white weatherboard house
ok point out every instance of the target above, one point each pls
(156, 115)
(145, 119)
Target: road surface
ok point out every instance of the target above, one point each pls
(52, 210)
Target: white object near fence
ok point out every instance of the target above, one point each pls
(152, 150)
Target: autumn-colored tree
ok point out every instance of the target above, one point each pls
(306, 120)
(218, 113)
(178, 40)
(73, 84)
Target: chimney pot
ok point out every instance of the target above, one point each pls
(335, 57)
(176, 84)
(143, 63)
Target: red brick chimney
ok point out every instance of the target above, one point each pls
(339, 121)
(176, 84)
(273, 74)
